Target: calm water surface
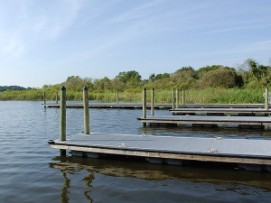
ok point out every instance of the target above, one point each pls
(30, 171)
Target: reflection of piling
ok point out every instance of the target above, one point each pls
(86, 110)
(152, 102)
(63, 118)
(65, 188)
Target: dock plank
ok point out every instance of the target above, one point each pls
(248, 151)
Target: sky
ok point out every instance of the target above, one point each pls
(45, 42)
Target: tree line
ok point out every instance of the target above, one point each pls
(12, 87)
(208, 84)
(249, 75)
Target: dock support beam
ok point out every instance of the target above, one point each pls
(152, 102)
(183, 97)
(86, 110)
(63, 118)
(177, 98)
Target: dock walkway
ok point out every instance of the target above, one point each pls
(241, 121)
(218, 149)
(111, 106)
(220, 111)
(214, 105)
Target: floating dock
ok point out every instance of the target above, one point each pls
(169, 149)
(111, 106)
(221, 111)
(156, 106)
(224, 121)
(259, 105)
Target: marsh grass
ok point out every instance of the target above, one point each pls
(208, 95)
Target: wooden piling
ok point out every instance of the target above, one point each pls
(63, 118)
(56, 97)
(144, 105)
(44, 99)
(177, 98)
(266, 96)
(86, 110)
(152, 102)
(183, 97)
(173, 99)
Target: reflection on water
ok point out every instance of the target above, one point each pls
(226, 182)
(28, 173)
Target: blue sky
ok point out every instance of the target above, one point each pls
(44, 42)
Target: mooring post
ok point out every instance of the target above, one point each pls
(63, 118)
(56, 97)
(86, 110)
(266, 104)
(183, 97)
(173, 99)
(177, 98)
(44, 99)
(144, 105)
(266, 96)
(152, 102)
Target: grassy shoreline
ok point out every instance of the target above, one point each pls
(208, 95)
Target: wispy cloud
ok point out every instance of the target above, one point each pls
(35, 22)
(237, 28)
(138, 12)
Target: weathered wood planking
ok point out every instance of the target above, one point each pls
(218, 149)
(224, 111)
(260, 121)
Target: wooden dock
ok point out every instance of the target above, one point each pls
(111, 106)
(221, 111)
(224, 121)
(167, 149)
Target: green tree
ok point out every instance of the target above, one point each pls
(102, 84)
(221, 77)
(126, 76)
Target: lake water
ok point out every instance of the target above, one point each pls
(30, 171)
